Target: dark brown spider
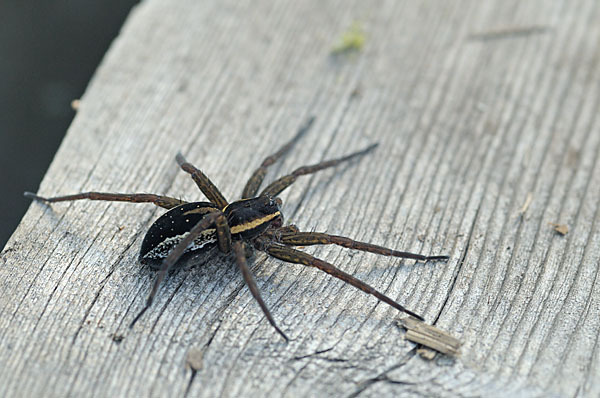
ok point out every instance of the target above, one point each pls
(252, 220)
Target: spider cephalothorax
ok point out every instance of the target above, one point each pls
(254, 220)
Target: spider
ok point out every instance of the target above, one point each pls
(254, 221)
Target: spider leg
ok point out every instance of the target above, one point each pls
(223, 233)
(282, 183)
(290, 255)
(204, 183)
(224, 241)
(259, 174)
(318, 238)
(240, 256)
(158, 200)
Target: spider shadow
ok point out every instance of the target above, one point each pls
(206, 282)
(198, 269)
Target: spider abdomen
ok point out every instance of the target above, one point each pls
(170, 228)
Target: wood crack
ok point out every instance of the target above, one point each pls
(382, 377)
(461, 262)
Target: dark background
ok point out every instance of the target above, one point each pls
(49, 50)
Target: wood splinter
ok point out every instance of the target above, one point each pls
(430, 337)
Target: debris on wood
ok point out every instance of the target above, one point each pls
(117, 338)
(430, 337)
(560, 228)
(573, 155)
(426, 353)
(357, 92)
(525, 206)
(509, 33)
(195, 359)
(352, 40)
(75, 104)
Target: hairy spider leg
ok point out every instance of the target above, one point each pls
(258, 175)
(319, 238)
(158, 200)
(240, 256)
(277, 186)
(204, 183)
(290, 255)
(215, 218)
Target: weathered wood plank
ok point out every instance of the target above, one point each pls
(479, 107)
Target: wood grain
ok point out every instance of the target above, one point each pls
(479, 107)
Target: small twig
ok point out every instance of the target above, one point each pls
(431, 337)
(528, 200)
(509, 32)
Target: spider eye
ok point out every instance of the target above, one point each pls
(275, 201)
